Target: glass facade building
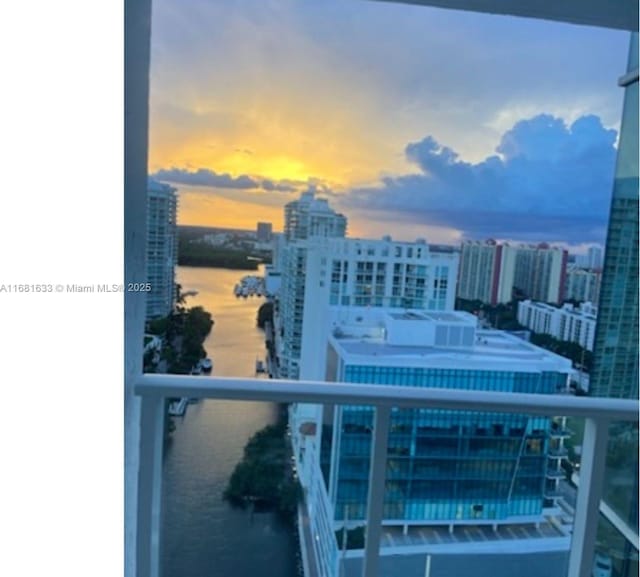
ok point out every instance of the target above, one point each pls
(444, 466)
(615, 366)
(615, 361)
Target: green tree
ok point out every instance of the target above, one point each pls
(265, 314)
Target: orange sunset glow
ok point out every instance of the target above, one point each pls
(377, 105)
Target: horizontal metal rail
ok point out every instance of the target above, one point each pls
(598, 413)
(276, 390)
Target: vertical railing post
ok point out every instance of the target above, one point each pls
(375, 504)
(150, 486)
(587, 515)
(137, 42)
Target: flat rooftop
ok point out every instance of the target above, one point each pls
(439, 339)
(490, 346)
(488, 343)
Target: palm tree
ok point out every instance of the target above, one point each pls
(180, 299)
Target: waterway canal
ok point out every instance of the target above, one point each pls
(202, 535)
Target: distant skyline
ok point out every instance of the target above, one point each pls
(414, 122)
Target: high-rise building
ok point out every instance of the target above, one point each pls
(306, 219)
(491, 272)
(444, 468)
(582, 285)
(592, 260)
(615, 358)
(486, 272)
(264, 231)
(540, 272)
(594, 255)
(162, 248)
(321, 272)
(364, 273)
(317, 267)
(311, 217)
(615, 370)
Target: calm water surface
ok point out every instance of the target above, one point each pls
(202, 535)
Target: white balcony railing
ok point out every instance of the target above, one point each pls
(153, 389)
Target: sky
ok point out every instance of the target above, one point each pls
(413, 121)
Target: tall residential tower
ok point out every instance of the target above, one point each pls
(162, 248)
(490, 272)
(306, 219)
(486, 272)
(615, 357)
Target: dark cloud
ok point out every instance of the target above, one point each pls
(205, 177)
(547, 181)
(282, 186)
(209, 178)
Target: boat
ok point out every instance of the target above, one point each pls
(259, 366)
(249, 286)
(178, 408)
(206, 365)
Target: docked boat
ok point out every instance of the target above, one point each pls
(178, 408)
(206, 365)
(250, 286)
